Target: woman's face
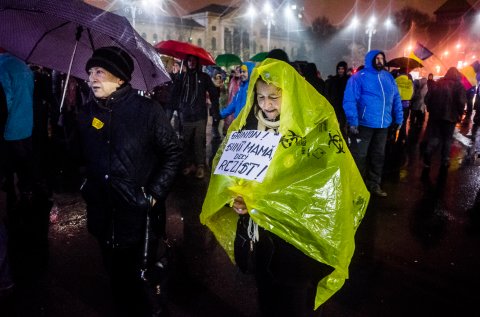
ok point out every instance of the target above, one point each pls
(218, 80)
(269, 99)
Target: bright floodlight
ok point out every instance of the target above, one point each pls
(267, 8)
(372, 21)
(149, 3)
(288, 12)
(388, 22)
(251, 11)
(458, 46)
(354, 22)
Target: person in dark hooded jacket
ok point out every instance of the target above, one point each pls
(132, 156)
(334, 91)
(190, 91)
(310, 73)
(445, 102)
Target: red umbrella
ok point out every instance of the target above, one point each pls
(182, 49)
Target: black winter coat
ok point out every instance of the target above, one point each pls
(129, 147)
(190, 96)
(446, 100)
(334, 92)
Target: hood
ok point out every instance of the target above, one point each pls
(370, 58)
(342, 64)
(453, 74)
(250, 67)
(197, 68)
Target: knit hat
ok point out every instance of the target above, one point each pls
(113, 59)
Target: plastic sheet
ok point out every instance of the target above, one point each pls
(312, 196)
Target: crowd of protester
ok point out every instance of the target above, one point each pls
(47, 149)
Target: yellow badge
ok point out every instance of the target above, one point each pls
(97, 124)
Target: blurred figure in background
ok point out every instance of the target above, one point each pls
(190, 93)
(334, 91)
(445, 102)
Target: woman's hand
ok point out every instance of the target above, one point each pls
(239, 206)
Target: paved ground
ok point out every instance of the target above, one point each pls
(417, 253)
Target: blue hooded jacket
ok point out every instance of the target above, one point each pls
(240, 98)
(371, 97)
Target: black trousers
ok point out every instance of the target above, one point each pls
(439, 133)
(286, 278)
(123, 266)
(368, 151)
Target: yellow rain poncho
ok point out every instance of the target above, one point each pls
(405, 87)
(312, 196)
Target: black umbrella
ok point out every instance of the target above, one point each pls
(404, 62)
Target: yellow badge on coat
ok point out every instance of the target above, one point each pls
(97, 124)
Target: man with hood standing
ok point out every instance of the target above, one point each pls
(372, 103)
(240, 98)
(334, 91)
(132, 156)
(445, 103)
(190, 91)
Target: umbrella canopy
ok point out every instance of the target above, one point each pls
(182, 49)
(404, 62)
(228, 60)
(62, 35)
(259, 57)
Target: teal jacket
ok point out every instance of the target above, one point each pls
(17, 82)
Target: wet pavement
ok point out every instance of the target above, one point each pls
(417, 252)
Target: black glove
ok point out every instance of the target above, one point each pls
(353, 130)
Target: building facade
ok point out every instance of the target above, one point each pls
(225, 29)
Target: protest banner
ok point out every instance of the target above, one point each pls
(248, 154)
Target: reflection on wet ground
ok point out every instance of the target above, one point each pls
(416, 251)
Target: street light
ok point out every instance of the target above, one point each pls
(267, 9)
(135, 7)
(131, 6)
(289, 12)
(252, 13)
(371, 30)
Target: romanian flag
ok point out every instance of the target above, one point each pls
(420, 53)
(469, 75)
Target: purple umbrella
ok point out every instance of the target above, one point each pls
(62, 34)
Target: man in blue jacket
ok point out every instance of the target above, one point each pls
(240, 97)
(372, 103)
